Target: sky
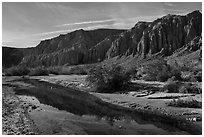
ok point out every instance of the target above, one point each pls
(26, 24)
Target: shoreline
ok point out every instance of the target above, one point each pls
(185, 115)
(15, 117)
(193, 127)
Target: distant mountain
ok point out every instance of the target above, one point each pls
(71, 49)
(160, 37)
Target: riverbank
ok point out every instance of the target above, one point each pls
(61, 122)
(156, 102)
(15, 118)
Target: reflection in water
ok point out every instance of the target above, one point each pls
(81, 103)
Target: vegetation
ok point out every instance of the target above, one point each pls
(171, 87)
(179, 87)
(64, 70)
(16, 71)
(42, 71)
(190, 88)
(159, 70)
(192, 76)
(39, 71)
(185, 103)
(108, 79)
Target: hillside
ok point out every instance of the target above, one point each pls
(161, 37)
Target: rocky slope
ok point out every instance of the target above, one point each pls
(163, 36)
(160, 37)
(73, 48)
(11, 56)
(188, 56)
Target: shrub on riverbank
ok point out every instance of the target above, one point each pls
(43, 71)
(68, 70)
(179, 87)
(185, 103)
(39, 71)
(108, 79)
(17, 71)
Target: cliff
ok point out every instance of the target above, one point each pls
(73, 48)
(162, 36)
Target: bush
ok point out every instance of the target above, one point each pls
(17, 71)
(78, 70)
(108, 79)
(59, 70)
(199, 76)
(62, 70)
(171, 87)
(178, 87)
(54, 70)
(39, 71)
(159, 70)
(163, 76)
(189, 88)
(185, 103)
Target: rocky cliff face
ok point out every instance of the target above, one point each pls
(162, 36)
(77, 47)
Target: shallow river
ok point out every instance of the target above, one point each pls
(68, 111)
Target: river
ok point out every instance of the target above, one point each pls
(67, 111)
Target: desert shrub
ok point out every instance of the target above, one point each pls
(108, 79)
(199, 76)
(171, 73)
(133, 73)
(154, 70)
(162, 76)
(176, 73)
(60, 70)
(171, 87)
(159, 70)
(178, 87)
(64, 70)
(39, 71)
(192, 76)
(78, 71)
(17, 71)
(54, 70)
(196, 77)
(185, 103)
(189, 88)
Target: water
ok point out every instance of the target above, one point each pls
(100, 117)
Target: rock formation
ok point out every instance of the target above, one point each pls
(162, 36)
(77, 47)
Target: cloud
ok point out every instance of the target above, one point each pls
(96, 27)
(176, 11)
(53, 32)
(169, 4)
(86, 22)
(116, 23)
